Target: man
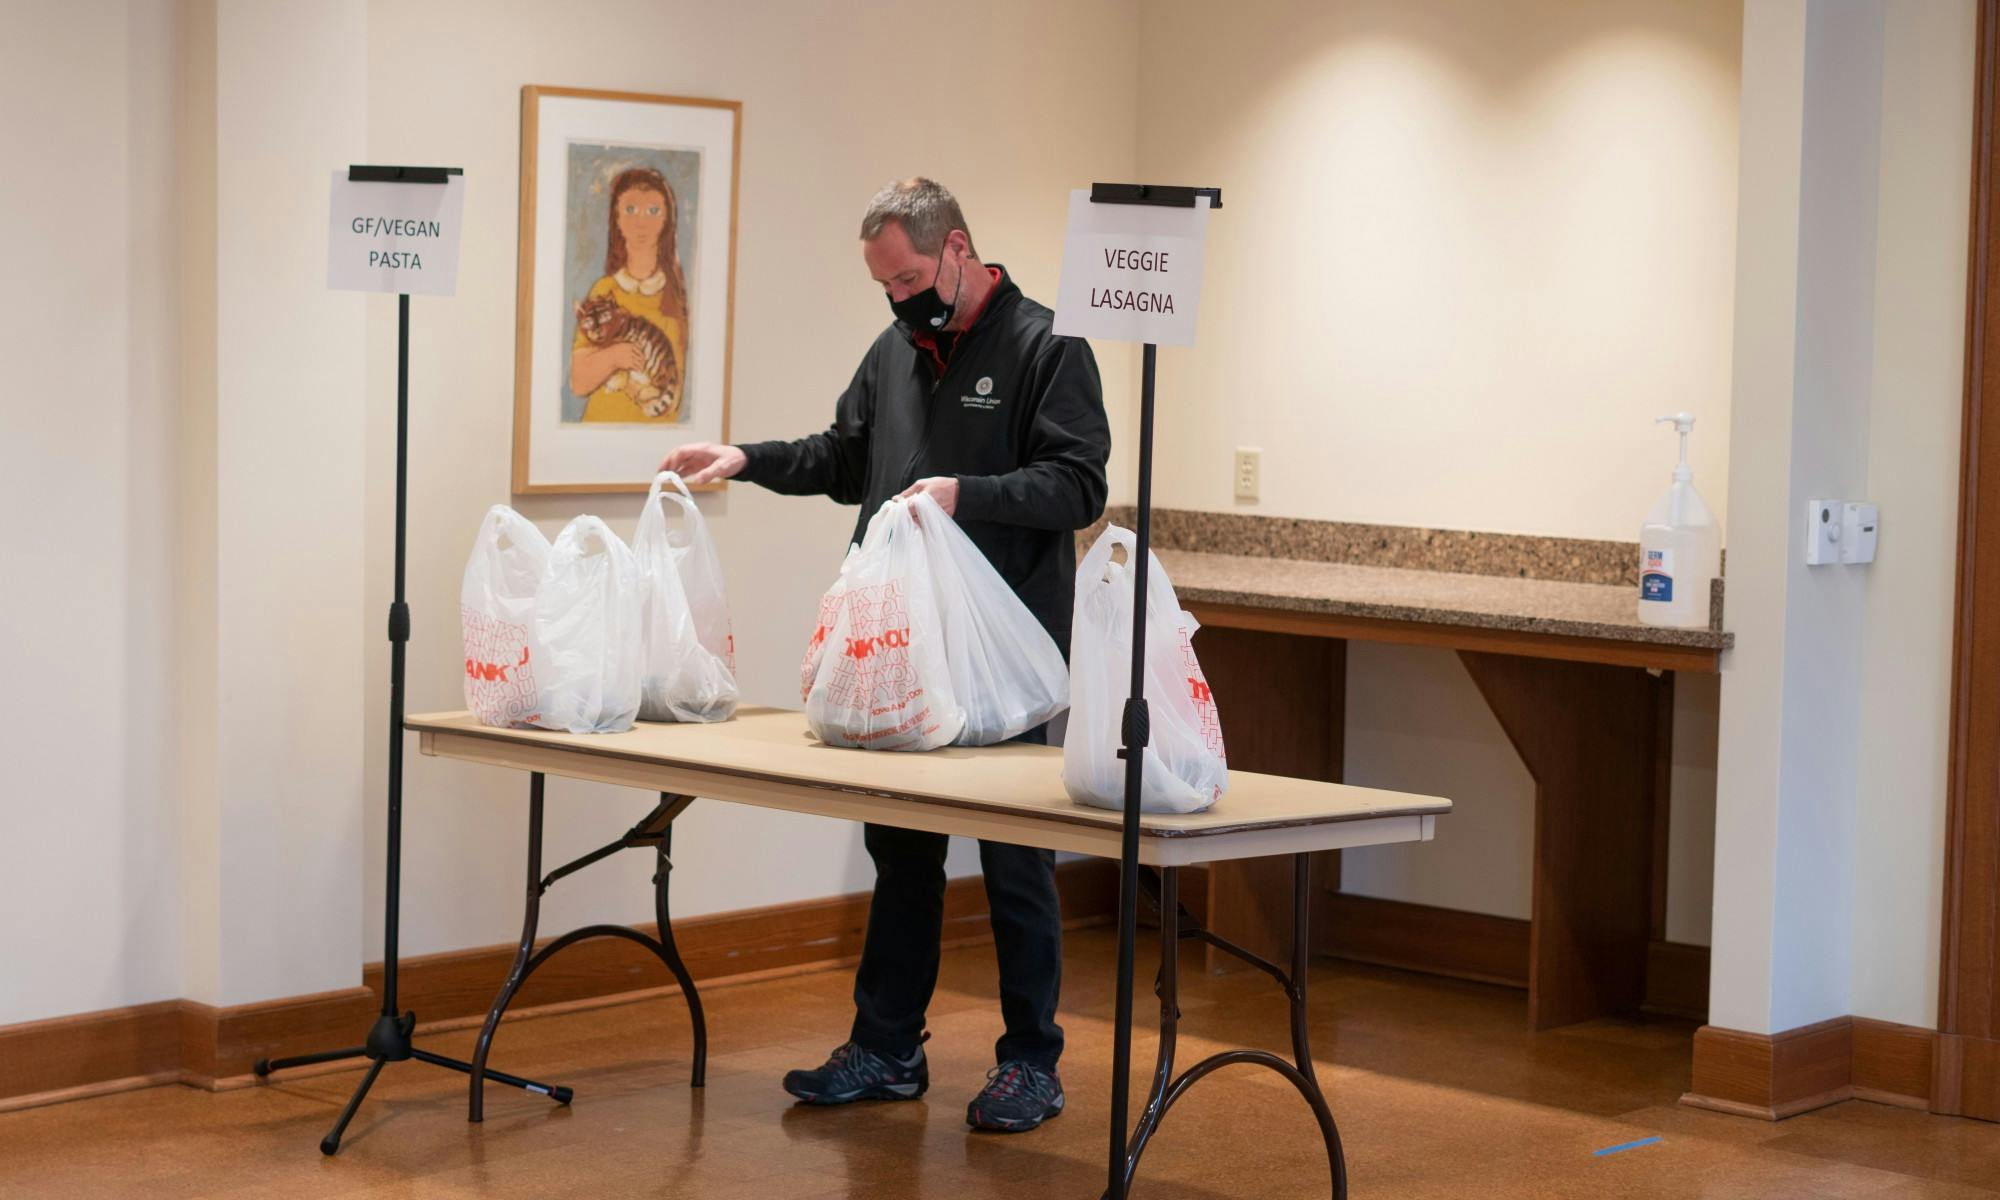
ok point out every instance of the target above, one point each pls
(969, 397)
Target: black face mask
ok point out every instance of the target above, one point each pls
(926, 311)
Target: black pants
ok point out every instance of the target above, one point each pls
(899, 958)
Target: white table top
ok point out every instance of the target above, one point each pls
(1009, 793)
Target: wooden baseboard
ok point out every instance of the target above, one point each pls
(67, 1058)
(1774, 1076)
(1677, 980)
(220, 1042)
(1893, 1063)
(1487, 949)
(1419, 937)
(1967, 1076)
(64, 1054)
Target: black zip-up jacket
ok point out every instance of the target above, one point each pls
(1017, 416)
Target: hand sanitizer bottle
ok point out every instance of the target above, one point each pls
(1680, 549)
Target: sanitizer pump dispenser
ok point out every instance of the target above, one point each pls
(1680, 549)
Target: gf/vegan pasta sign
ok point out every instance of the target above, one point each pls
(395, 237)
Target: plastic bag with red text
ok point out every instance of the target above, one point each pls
(496, 607)
(875, 674)
(1186, 768)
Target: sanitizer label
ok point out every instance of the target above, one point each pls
(1656, 576)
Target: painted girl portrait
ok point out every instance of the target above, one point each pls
(625, 284)
(630, 328)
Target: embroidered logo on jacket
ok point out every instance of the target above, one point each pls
(985, 399)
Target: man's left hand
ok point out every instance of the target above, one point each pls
(941, 488)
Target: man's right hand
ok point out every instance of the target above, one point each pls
(704, 462)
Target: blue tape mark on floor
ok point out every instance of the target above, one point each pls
(1627, 1146)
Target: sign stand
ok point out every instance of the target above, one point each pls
(1137, 728)
(1166, 255)
(389, 1040)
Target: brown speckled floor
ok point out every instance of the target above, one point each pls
(1438, 1089)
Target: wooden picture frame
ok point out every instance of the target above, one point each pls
(654, 354)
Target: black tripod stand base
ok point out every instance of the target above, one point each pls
(389, 1041)
(264, 1066)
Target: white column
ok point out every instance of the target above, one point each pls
(273, 789)
(1786, 763)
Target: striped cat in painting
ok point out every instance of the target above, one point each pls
(656, 386)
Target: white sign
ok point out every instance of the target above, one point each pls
(395, 237)
(1131, 272)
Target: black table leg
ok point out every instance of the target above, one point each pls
(1174, 925)
(671, 955)
(518, 973)
(654, 830)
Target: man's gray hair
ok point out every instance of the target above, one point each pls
(926, 211)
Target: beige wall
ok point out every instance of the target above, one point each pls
(830, 112)
(1468, 252)
(86, 231)
(182, 469)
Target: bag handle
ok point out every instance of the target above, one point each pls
(503, 522)
(1090, 572)
(679, 494)
(1160, 598)
(674, 478)
(924, 506)
(577, 537)
(892, 518)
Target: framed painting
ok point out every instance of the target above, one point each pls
(625, 297)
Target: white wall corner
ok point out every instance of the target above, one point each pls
(1914, 433)
(1791, 702)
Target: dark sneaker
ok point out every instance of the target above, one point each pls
(1018, 1096)
(855, 1072)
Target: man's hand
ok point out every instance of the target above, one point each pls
(941, 488)
(704, 462)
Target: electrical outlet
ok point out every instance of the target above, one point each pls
(1249, 472)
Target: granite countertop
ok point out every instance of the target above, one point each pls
(1592, 610)
(1557, 586)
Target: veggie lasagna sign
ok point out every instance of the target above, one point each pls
(1131, 272)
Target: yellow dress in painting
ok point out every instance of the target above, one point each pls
(641, 298)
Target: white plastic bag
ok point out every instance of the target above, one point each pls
(1186, 769)
(875, 673)
(496, 608)
(688, 670)
(1006, 672)
(587, 620)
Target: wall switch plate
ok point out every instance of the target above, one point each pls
(1823, 522)
(1859, 522)
(1249, 472)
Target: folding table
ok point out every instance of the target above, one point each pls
(1010, 793)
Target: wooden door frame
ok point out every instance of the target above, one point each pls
(1969, 960)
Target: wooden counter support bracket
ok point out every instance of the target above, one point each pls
(1282, 698)
(1586, 733)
